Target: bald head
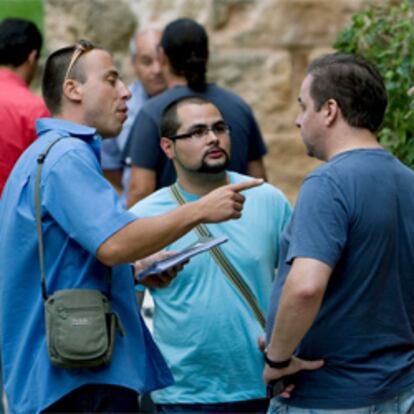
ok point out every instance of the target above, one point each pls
(145, 61)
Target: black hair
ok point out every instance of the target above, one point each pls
(169, 123)
(354, 83)
(185, 42)
(18, 38)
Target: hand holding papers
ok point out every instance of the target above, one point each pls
(200, 246)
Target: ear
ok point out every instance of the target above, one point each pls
(32, 57)
(331, 112)
(72, 90)
(167, 146)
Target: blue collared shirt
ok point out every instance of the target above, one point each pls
(80, 210)
(112, 149)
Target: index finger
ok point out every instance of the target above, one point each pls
(245, 185)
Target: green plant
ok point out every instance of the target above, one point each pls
(385, 35)
(28, 9)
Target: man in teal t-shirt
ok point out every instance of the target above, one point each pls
(203, 326)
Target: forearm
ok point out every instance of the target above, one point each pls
(146, 236)
(299, 305)
(256, 168)
(294, 318)
(115, 178)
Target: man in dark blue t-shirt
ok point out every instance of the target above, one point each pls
(183, 55)
(342, 310)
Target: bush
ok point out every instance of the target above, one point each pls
(385, 35)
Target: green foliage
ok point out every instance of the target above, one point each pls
(385, 35)
(27, 9)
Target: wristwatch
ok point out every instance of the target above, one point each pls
(276, 364)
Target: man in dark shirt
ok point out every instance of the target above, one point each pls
(183, 56)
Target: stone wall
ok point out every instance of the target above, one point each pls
(259, 49)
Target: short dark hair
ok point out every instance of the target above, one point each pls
(54, 76)
(185, 42)
(18, 38)
(169, 123)
(354, 83)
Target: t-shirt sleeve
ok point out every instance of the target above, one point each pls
(320, 222)
(81, 201)
(257, 147)
(144, 142)
(282, 215)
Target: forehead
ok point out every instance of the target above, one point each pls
(305, 87)
(147, 42)
(97, 61)
(194, 113)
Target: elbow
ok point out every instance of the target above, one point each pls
(308, 293)
(109, 254)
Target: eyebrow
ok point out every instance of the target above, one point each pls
(205, 125)
(112, 72)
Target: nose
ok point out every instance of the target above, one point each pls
(124, 92)
(156, 66)
(297, 121)
(211, 135)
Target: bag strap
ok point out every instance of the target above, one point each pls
(40, 161)
(226, 266)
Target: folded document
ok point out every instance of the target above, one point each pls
(201, 245)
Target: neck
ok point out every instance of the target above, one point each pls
(174, 80)
(201, 183)
(20, 71)
(72, 114)
(356, 138)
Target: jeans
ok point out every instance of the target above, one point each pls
(249, 406)
(97, 398)
(401, 404)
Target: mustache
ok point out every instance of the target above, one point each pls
(213, 149)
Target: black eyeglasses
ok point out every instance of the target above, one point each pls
(201, 131)
(82, 47)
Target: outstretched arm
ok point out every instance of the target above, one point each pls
(145, 236)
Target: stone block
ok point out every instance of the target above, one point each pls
(107, 23)
(262, 78)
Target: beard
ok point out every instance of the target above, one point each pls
(206, 168)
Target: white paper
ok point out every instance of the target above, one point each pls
(200, 246)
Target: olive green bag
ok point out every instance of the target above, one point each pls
(80, 326)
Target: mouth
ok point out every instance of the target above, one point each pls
(122, 114)
(215, 153)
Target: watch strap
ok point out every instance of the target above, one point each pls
(277, 364)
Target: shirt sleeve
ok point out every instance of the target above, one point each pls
(144, 142)
(319, 224)
(81, 201)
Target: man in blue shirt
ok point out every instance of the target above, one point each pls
(150, 82)
(203, 325)
(183, 54)
(342, 307)
(84, 227)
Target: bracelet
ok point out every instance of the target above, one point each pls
(277, 364)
